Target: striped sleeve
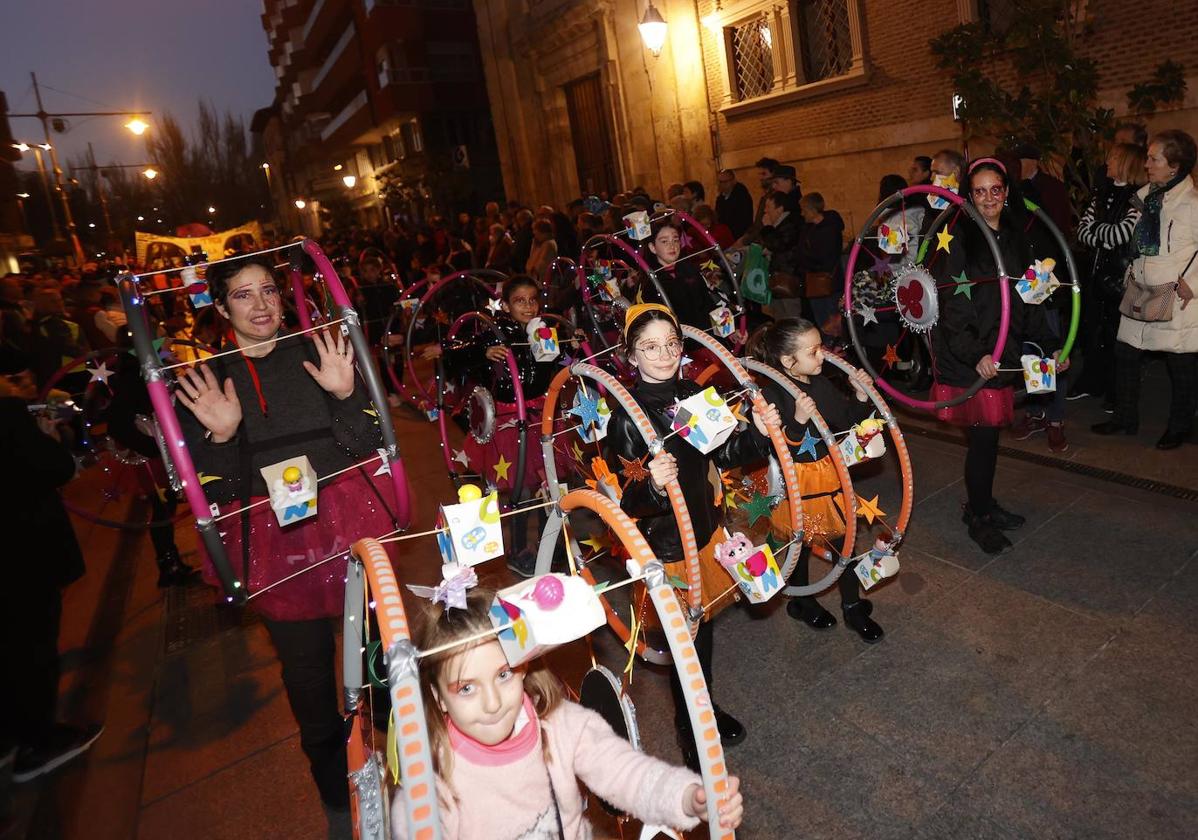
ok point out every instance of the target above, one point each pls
(1107, 235)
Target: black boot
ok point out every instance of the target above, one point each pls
(686, 742)
(172, 571)
(808, 610)
(731, 730)
(984, 532)
(856, 615)
(1001, 519)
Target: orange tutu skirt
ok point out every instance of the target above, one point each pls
(823, 503)
(715, 579)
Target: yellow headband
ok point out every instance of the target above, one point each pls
(637, 310)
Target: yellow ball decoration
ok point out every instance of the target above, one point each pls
(292, 475)
(469, 493)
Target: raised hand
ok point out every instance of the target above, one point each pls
(218, 409)
(859, 379)
(336, 372)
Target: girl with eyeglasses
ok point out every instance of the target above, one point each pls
(653, 346)
(964, 337)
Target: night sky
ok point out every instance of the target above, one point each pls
(128, 54)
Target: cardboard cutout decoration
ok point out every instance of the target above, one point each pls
(704, 420)
(544, 612)
(292, 488)
(637, 224)
(753, 568)
(1038, 282)
(474, 533)
(543, 341)
(864, 442)
(755, 276)
(892, 240)
(197, 289)
(948, 182)
(1039, 373)
(722, 322)
(876, 565)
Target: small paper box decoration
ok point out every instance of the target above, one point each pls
(948, 182)
(1038, 282)
(409, 303)
(1039, 373)
(892, 240)
(704, 420)
(753, 568)
(197, 289)
(722, 321)
(637, 224)
(474, 532)
(864, 442)
(543, 341)
(877, 565)
(543, 613)
(292, 488)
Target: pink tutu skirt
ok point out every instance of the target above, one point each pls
(348, 509)
(988, 407)
(485, 458)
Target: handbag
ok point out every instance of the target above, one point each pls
(820, 284)
(1150, 304)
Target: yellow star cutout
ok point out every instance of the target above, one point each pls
(578, 455)
(942, 240)
(709, 265)
(730, 500)
(501, 468)
(597, 543)
(869, 509)
(738, 411)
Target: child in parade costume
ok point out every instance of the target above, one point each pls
(509, 750)
(682, 282)
(652, 342)
(794, 346)
(274, 401)
(482, 359)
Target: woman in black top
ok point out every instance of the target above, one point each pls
(653, 344)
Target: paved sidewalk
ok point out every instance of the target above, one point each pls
(1043, 693)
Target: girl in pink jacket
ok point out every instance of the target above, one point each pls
(510, 751)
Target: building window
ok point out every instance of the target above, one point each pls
(411, 137)
(752, 58)
(825, 38)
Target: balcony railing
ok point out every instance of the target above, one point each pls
(312, 18)
(342, 43)
(356, 104)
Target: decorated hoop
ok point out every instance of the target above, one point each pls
(915, 292)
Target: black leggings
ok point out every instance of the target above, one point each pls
(847, 583)
(981, 459)
(307, 651)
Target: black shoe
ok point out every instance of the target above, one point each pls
(983, 532)
(1172, 440)
(524, 563)
(1001, 519)
(690, 752)
(856, 615)
(65, 742)
(808, 610)
(731, 730)
(1115, 427)
(176, 573)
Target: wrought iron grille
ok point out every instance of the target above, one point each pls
(827, 44)
(753, 58)
(996, 15)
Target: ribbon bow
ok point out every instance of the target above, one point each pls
(456, 581)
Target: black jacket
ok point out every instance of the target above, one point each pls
(784, 243)
(839, 410)
(690, 298)
(652, 507)
(736, 209)
(468, 359)
(968, 323)
(820, 245)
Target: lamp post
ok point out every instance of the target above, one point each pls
(37, 149)
(21, 196)
(653, 29)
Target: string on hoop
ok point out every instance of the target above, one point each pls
(235, 350)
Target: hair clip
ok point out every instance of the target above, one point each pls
(456, 581)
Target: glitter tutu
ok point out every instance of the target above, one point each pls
(485, 458)
(349, 507)
(988, 407)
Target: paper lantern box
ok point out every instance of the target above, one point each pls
(474, 532)
(864, 442)
(752, 567)
(1038, 282)
(197, 289)
(1039, 373)
(892, 240)
(543, 341)
(704, 420)
(877, 565)
(637, 225)
(292, 488)
(722, 321)
(543, 613)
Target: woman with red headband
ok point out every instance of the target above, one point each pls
(964, 338)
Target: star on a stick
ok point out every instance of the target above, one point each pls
(964, 287)
(709, 266)
(869, 509)
(868, 315)
(890, 357)
(633, 470)
(757, 507)
(807, 445)
(501, 468)
(942, 240)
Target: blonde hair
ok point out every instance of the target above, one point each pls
(1128, 160)
(439, 625)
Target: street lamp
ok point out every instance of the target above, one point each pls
(141, 218)
(137, 125)
(653, 29)
(349, 181)
(300, 204)
(211, 210)
(151, 173)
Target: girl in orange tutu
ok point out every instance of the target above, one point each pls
(794, 346)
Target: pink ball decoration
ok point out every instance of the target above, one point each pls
(549, 593)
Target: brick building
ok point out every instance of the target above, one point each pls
(375, 99)
(846, 90)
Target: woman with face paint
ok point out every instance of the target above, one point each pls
(653, 345)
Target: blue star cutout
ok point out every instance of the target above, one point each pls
(587, 409)
(807, 444)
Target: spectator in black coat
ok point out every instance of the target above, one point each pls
(782, 234)
(820, 247)
(734, 205)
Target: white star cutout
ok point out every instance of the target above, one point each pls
(101, 373)
(867, 315)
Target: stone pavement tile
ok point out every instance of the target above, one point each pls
(1104, 554)
(267, 795)
(958, 819)
(216, 702)
(936, 527)
(948, 687)
(922, 580)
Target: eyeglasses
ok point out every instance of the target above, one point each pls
(996, 191)
(653, 352)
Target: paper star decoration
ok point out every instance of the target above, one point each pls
(757, 507)
(597, 542)
(730, 500)
(633, 470)
(495, 305)
(685, 240)
(942, 240)
(501, 468)
(587, 409)
(890, 357)
(737, 409)
(869, 509)
(868, 315)
(964, 287)
(881, 266)
(578, 456)
(709, 266)
(807, 445)
(459, 455)
(101, 373)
